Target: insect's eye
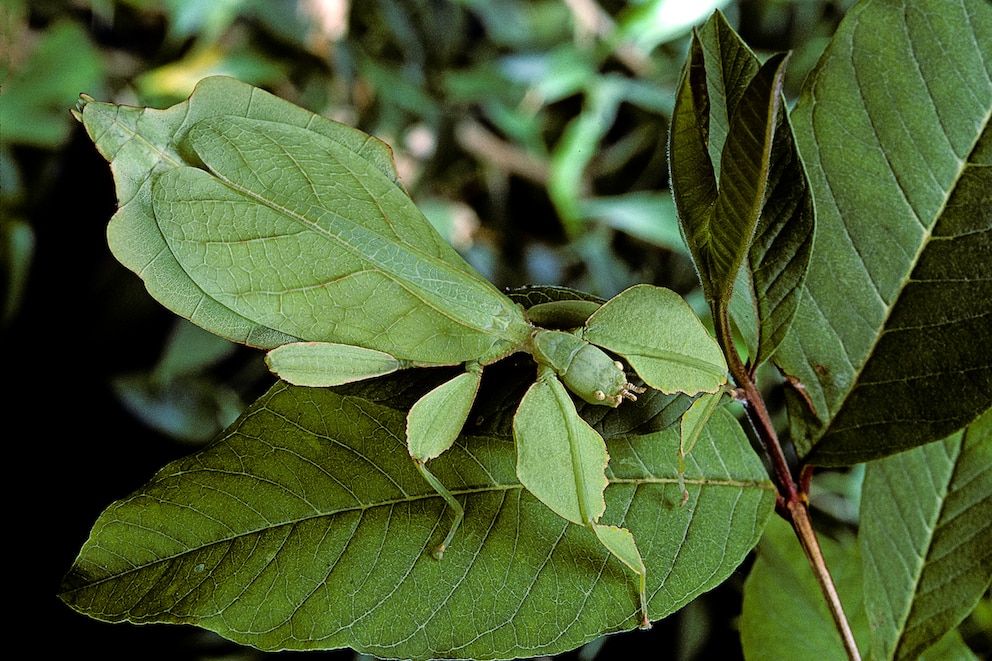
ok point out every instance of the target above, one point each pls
(600, 395)
(618, 364)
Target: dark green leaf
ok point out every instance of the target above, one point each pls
(306, 526)
(892, 337)
(926, 540)
(751, 233)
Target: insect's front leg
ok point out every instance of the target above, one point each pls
(561, 460)
(433, 424)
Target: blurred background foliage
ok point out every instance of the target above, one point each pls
(531, 132)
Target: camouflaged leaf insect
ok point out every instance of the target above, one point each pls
(275, 227)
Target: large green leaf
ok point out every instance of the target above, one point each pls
(926, 540)
(784, 615)
(307, 526)
(923, 560)
(892, 337)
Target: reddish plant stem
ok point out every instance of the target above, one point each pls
(792, 499)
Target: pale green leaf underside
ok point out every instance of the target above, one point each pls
(892, 337)
(311, 506)
(926, 540)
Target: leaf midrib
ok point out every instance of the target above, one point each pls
(506, 488)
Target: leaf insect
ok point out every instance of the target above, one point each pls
(691, 428)
(296, 229)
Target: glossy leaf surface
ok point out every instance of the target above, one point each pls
(892, 337)
(311, 506)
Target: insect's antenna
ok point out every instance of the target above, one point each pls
(630, 391)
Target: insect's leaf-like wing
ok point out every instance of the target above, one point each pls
(289, 228)
(142, 142)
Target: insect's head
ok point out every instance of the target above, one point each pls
(585, 369)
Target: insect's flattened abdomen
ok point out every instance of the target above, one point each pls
(319, 298)
(286, 245)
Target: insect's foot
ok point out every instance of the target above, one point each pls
(438, 551)
(645, 620)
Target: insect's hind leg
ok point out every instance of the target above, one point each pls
(455, 506)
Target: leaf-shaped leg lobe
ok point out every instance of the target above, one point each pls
(437, 418)
(433, 424)
(620, 542)
(323, 364)
(562, 461)
(661, 338)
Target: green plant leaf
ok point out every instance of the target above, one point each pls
(744, 169)
(307, 526)
(926, 540)
(784, 615)
(892, 336)
(46, 77)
